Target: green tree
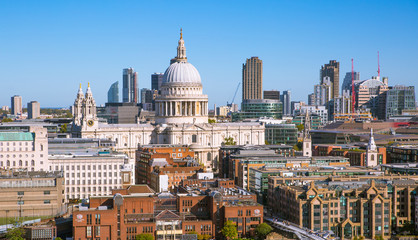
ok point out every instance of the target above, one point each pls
(355, 238)
(63, 128)
(300, 127)
(408, 227)
(144, 236)
(263, 229)
(361, 238)
(7, 120)
(298, 146)
(15, 233)
(58, 238)
(229, 141)
(378, 237)
(211, 120)
(229, 230)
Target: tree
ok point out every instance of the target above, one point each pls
(355, 238)
(144, 236)
(298, 146)
(300, 127)
(15, 233)
(263, 229)
(361, 238)
(229, 230)
(211, 120)
(229, 141)
(408, 227)
(7, 120)
(63, 128)
(378, 237)
(58, 238)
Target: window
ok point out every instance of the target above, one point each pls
(88, 231)
(20, 202)
(20, 193)
(47, 192)
(47, 201)
(97, 231)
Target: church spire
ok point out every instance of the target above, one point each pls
(372, 145)
(181, 49)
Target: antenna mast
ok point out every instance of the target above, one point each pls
(378, 65)
(353, 97)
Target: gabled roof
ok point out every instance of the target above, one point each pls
(167, 215)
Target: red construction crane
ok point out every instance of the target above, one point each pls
(353, 96)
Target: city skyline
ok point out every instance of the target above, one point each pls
(81, 45)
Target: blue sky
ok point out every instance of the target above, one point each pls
(48, 47)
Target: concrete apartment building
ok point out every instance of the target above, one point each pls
(31, 194)
(252, 79)
(34, 110)
(16, 102)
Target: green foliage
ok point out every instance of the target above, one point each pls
(378, 237)
(263, 229)
(300, 127)
(355, 238)
(229, 141)
(58, 113)
(408, 228)
(7, 120)
(15, 233)
(211, 120)
(144, 236)
(58, 238)
(229, 230)
(361, 238)
(63, 128)
(298, 146)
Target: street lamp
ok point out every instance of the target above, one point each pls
(20, 206)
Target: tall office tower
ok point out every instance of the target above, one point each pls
(332, 70)
(156, 81)
(34, 109)
(130, 85)
(322, 93)
(113, 93)
(16, 105)
(399, 98)
(312, 100)
(252, 79)
(272, 94)
(285, 98)
(346, 87)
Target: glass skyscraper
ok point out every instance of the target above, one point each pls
(113, 93)
(399, 98)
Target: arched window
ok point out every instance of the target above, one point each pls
(372, 157)
(8, 163)
(32, 163)
(20, 163)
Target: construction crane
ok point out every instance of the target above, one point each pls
(235, 94)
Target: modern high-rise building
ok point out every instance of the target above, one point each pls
(322, 93)
(399, 98)
(130, 85)
(272, 94)
(113, 93)
(252, 79)
(347, 81)
(17, 105)
(156, 81)
(286, 100)
(332, 70)
(34, 109)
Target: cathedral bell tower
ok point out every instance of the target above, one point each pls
(77, 108)
(89, 120)
(307, 141)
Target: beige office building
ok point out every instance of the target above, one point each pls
(31, 194)
(252, 79)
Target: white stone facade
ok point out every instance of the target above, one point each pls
(181, 118)
(24, 150)
(87, 176)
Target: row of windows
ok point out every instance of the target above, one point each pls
(22, 202)
(14, 144)
(89, 167)
(18, 163)
(115, 174)
(14, 155)
(84, 182)
(16, 149)
(89, 189)
(21, 193)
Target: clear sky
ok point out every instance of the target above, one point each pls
(48, 47)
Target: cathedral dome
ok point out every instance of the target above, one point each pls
(181, 72)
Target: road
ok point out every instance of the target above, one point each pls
(290, 227)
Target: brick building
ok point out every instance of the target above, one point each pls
(138, 209)
(355, 154)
